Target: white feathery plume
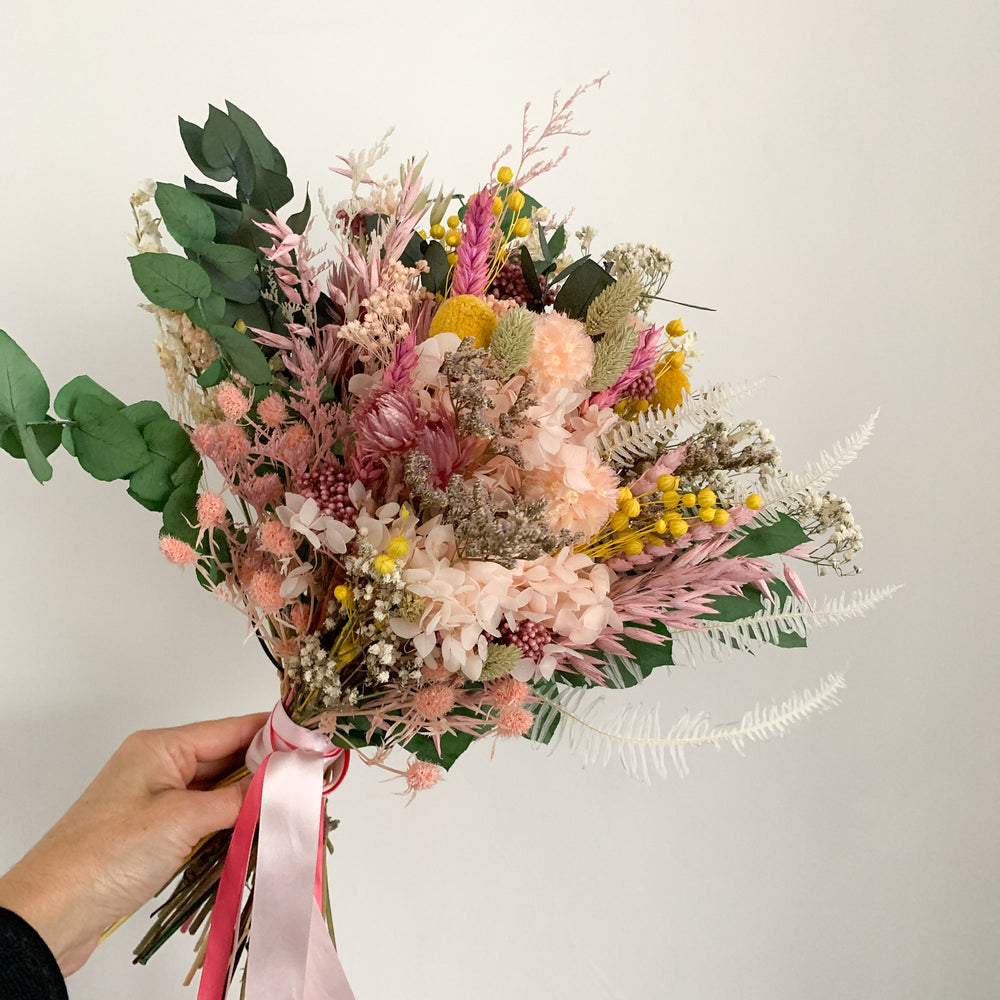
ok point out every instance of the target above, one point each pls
(632, 734)
(817, 475)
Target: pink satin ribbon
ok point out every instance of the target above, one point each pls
(290, 955)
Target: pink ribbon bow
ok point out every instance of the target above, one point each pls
(290, 954)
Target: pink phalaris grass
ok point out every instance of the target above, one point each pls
(643, 358)
(473, 265)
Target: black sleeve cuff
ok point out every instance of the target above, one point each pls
(28, 970)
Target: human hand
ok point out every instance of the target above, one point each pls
(129, 832)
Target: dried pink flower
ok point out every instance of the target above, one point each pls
(265, 591)
(231, 401)
(212, 511)
(562, 355)
(420, 776)
(514, 721)
(277, 539)
(272, 410)
(434, 701)
(178, 552)
(508, 691)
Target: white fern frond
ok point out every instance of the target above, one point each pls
(816, 476)
(643, 438)
(632, 733)
(790, 615)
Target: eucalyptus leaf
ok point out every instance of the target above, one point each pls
(530, 275)
(188, 219)
(107, 444)
(144, 412)
(298, 222)
(151, 484)
(208, 311)
(771, 539)
(170, 281)
(213, 374)
(180, 513)
(244, 291)
(221, 140)
(188, 473)
(261, 148)
(249, 234)
(192, 137)
(242, 354)
(169, 440)
(271, 190)
(437, 259)
(234, 262)
(74, 390)
(47, 434)
(586, 282)
(24, 398)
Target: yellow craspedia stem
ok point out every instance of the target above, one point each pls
(521, 228)
(624, 495)
(707, 514)
(340, 592)
(497, 205)
(688, 500)
(505, 175)
(453, 221)
(675, 328)
(706, 498)
(671, 384)
(721, 517)
(239, 326)
(437, 230)
(754, 501)
(466, 316)
(667, 484)
(515, 201)
(633, 546)
(453, 237)
(678, 527)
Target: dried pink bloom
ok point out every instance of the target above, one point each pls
(472, 267)
(562, 355)
(212, 511)
(265, 591)
(300, 616)
(514, 721)
(295, 447)
(232, 402)
(508, 691)
(272, 410)
(178, 552)
(795, 585)
(277, 539)
(434, 701)
(389, 420)
(420, 776)
(260, 491)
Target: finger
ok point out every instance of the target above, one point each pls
(207, 772)
(218, 739)
(207, 812)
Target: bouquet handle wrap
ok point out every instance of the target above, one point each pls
(290, 954)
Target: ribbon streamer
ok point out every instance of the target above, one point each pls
(290, 954)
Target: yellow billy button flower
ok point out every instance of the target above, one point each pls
(466, 316)
(422, 233)
(754, 501)
(437, 231)
(452, 259)
(398, 547)
(454, 222)
(619, 520)
(515, 201)
(675, 328)
(340, 592)
(671, 499)
(660, 526)
(453, 237)
(239, 326)
(624, 495)
(706, 498)
(633, 546)
(666, 484)
(721, 517)
(678, 526)
(497, 205)
(632, 508)
(688, 500)
(384, 564)
(707, 514)
(505, 175)
(521, 228)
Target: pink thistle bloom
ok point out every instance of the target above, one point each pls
(260, 491)
(508, 691)
(232, 444)
(203, 437)
(277, 539)
(177, 551)
(562, 355)
(232, 402)
(295, 447)
(514, 721)
(272, 410)
(472, 267)
(265, 591)
(434, 701)
(421, 775)
(212, 511)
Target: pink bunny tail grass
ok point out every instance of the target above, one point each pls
(473, 265)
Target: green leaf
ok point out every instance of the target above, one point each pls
(170, 281)
(586, 282)
(151, 484)
(213, 374)
(188, 473)
(437, 259)
(233, 261)
(557, 242)
(261, 148)
(180, 513)
(298, 222)
(107, 444)
(771, 539)
(649, 655)
(47, 436)
(253, 314)
(226, 209)
(242, 354)
(271, 190)
(187, 218)
(220, 141)
(144, 412)
(208, 311)
(168, 439)
(24, 397)
(244, 291)
(453, 745)
(530, 275)
(74, 390)
(412, 252)
(192, 137)
(249, 234)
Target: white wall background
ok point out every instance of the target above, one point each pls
(824, 174)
